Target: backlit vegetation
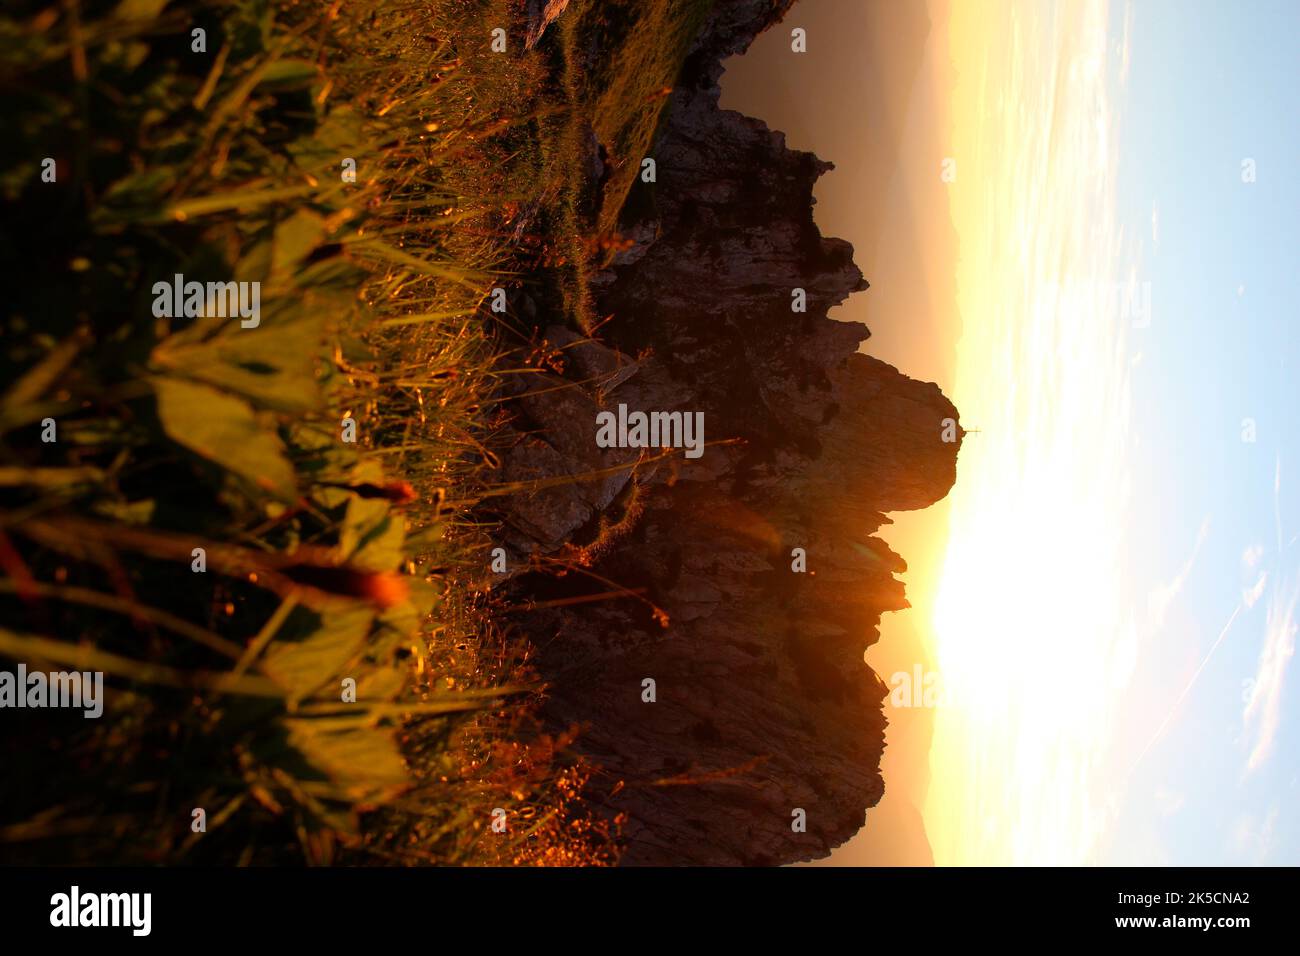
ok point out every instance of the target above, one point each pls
(324, 559)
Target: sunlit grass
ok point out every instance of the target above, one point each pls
(225, 684)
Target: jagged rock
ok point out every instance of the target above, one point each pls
(764, 704)
(556, 421)
(540, 15)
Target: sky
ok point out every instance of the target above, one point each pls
(1085, 229)
(1215, 460)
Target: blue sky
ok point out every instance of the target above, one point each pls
(1211, 85)
(1106, 509)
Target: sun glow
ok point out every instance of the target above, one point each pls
(1033, 638)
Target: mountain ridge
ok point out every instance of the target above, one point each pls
(764, 706)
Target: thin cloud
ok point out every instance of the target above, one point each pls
(1250, 596)
(1263, 713)
(1250, 559)
(1162, 598)
(1186, 690)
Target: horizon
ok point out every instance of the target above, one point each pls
(1061, 127)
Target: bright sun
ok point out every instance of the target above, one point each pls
(1032, 641)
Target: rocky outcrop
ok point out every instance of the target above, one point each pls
(540, 14)
(763, 704)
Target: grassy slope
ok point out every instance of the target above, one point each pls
(643, 47)
(619, 61)
(325, 559)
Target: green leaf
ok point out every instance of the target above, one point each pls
(371, 537)
(402, 622)
(381, 684)
(426, 539)
(224, 430)
(358, 759)
(312, 648)
(320, 456)
(339, 135)
(273, 364)
(295, 238)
